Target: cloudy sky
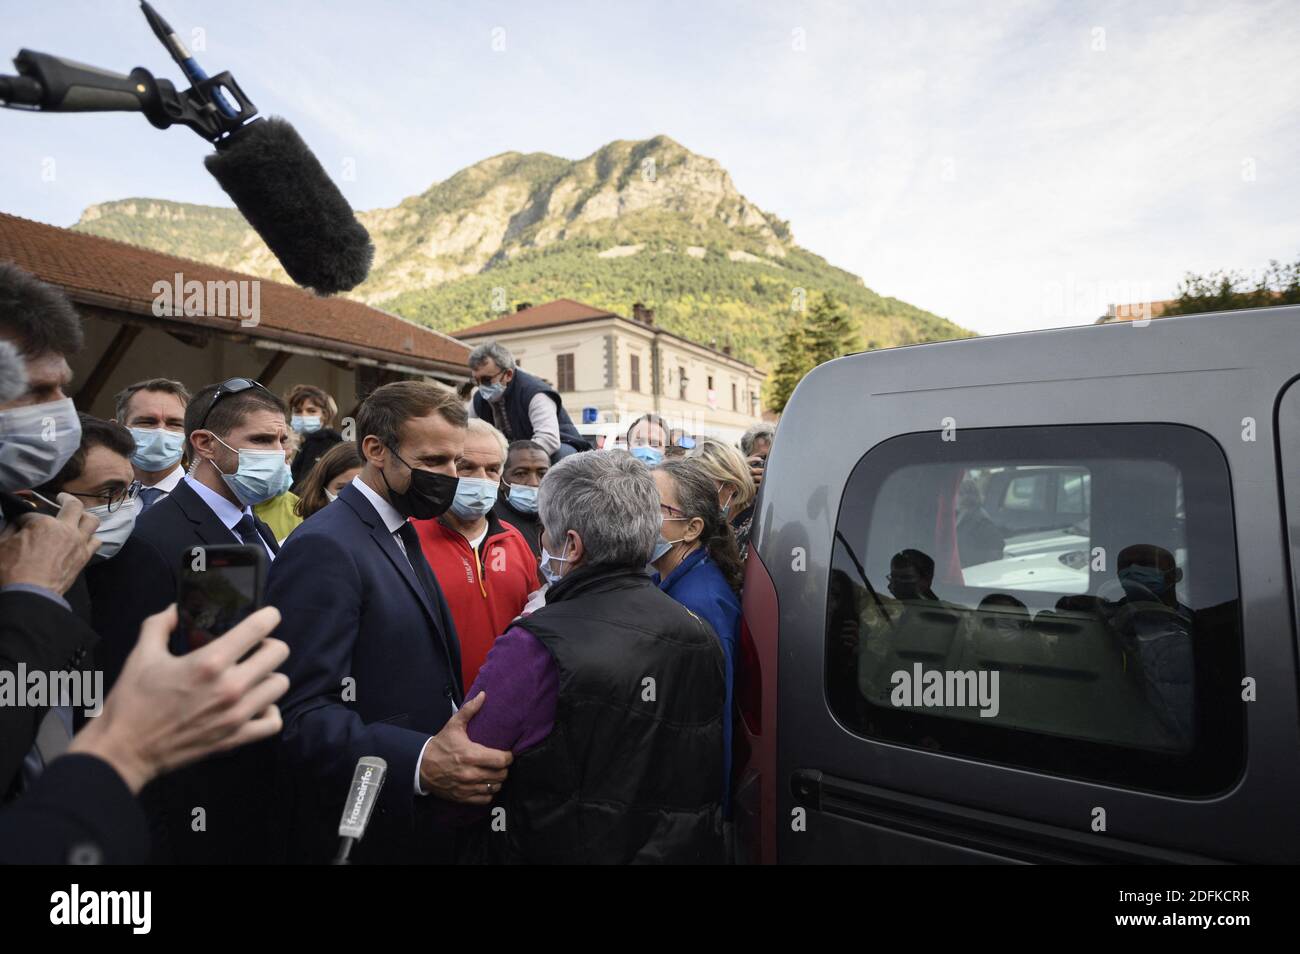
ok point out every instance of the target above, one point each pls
(1006, 165)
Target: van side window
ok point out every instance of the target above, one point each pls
(1062, 599)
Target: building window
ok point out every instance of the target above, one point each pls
(710, 382)
(735, 403)
(1062, 599)
(681, 383)
(636, 372)
(564, 372)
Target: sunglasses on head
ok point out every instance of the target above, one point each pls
(229, 386)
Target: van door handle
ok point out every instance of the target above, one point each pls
(806, 786)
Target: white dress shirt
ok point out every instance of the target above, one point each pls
(392, 523)
(226, 512)
(168, 483)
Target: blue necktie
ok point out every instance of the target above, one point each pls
(150, 496)
(246, 530)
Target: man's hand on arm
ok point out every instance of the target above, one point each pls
(48, 552)
(459, 770)
(167, 711)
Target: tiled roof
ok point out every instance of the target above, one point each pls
(95, 270)
(562, 311)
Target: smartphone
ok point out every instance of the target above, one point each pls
(219, 586)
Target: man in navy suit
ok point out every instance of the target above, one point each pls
(238, 435)
(374, 665)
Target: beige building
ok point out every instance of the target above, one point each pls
(626, 367)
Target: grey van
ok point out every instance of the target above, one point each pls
(1030, 598)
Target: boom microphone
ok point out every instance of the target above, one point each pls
(262, 164)
(289, 200)
(367, 781)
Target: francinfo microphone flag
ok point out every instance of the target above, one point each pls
(367, 781)
(262, 164)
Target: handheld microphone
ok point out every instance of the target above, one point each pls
(367, 780)
(262, 164)
(13, 373)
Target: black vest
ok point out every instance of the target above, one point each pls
(519, 394)
(632, 770)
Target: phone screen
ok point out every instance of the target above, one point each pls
(219, 587)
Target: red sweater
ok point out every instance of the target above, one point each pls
(485, 590)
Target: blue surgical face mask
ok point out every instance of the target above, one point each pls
(492, 392)
(156, 448)
(726, 507)
(1147, 577)
(36, 440)
(261, 475)
(523, 498)
(553, 576)
(650, 456)
(475, 496)
(662, 546)
(305, 425)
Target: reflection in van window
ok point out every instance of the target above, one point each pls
(1059, 598)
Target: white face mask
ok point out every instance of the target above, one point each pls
(114, 528)
(36, 440)
(553, 575)
(332, 497)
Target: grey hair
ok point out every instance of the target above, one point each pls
(758, 432)
(479, 426)
(494, 350)
(610, 499)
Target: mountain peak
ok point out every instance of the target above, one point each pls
(635, 220)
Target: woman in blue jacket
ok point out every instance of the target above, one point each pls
(697, 564)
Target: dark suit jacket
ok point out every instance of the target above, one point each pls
(354, 610)
(80, 811)
(233, 789)
(143, 577)
(35, 630)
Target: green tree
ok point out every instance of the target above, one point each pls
(796, 361)
(1229, 290)
(826, 333)
(830, 330)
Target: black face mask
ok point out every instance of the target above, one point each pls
(429, 495)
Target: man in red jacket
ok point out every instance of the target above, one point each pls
(485, 567)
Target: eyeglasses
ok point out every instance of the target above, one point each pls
(229, 386)
(671, 513)
(115, 499)
(486, 379)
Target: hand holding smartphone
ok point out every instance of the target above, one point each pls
(219, 587)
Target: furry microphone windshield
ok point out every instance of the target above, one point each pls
(287, 197)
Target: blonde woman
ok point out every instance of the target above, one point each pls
(730, 474)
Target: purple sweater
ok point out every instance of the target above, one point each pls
(523, 689)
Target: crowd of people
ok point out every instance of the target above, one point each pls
(538, 638)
